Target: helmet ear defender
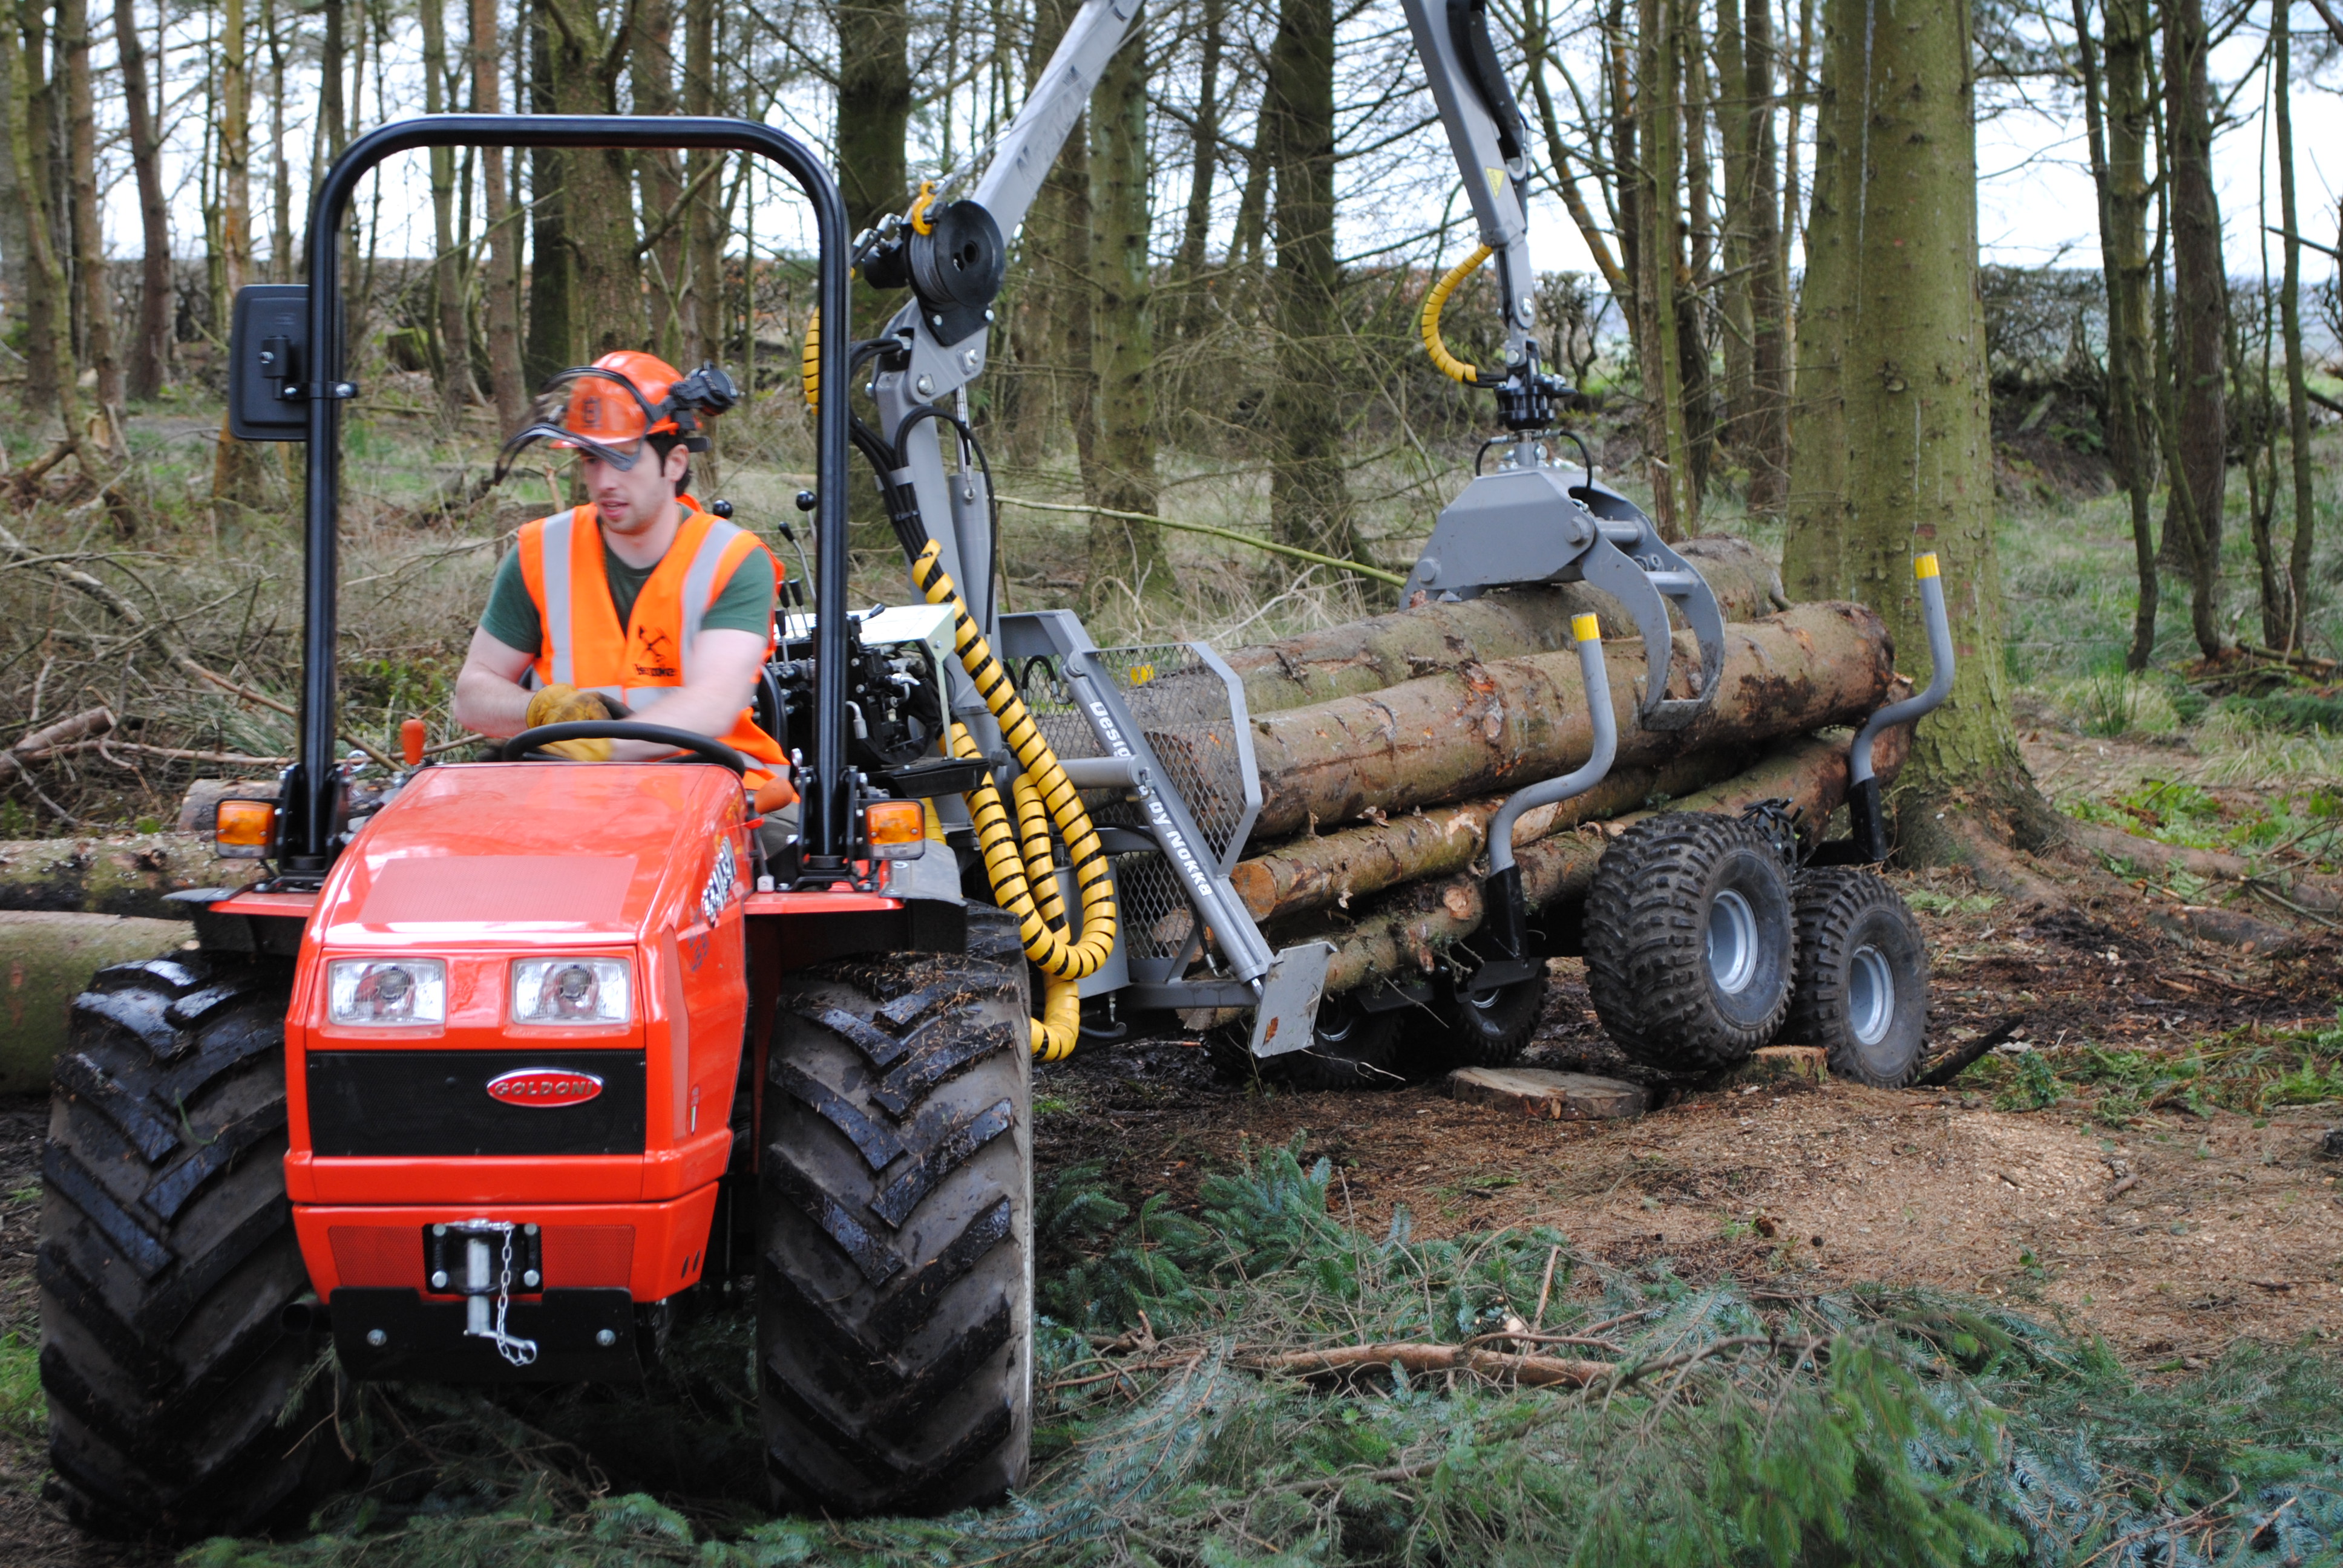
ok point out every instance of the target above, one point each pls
(593, 409)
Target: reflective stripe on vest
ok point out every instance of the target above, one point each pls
(639, 663)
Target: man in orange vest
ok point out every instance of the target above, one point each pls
(639, 604)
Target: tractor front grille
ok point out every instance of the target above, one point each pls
(393, 1102)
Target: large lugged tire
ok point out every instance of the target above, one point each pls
(1862, 989)
(1690, 942)
(894, 1309)
(1350, 1048)
(167, 1256)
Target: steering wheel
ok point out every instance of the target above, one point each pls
(703, 750)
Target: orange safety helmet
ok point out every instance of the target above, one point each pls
(622, 397)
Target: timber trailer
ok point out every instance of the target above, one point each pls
(501, 1060)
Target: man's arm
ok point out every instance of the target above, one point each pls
(489, 699)
(724, 666)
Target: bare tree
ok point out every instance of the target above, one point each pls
(2198, 425)
(150, 339)
(500, 291)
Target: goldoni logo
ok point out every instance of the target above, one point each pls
(544, 1086)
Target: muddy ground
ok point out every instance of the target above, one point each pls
(2171, 1237)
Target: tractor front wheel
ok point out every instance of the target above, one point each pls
(167, 1258)
(895, 1218)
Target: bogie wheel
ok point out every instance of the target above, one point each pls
(168, 1257)
(1691, 941)
(1486, 1028)
(894, 1310)
(1862, 988)
(1350, 1048)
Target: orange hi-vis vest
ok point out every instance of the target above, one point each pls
(581, 643)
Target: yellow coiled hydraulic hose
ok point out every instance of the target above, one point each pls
(1015, 866)
(1433, 303)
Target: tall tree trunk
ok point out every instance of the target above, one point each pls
(1766, 434)
(1204, 142)
(598, 186)
(1917, 455)
(1537, 44)
(1736, 134)
(1698, 247)
(14, 242)
(2297, 397)
(874, 114)
(280, 172)
(703, 234)
(1658, 174)
(90, 271)
(1814, 539)
(235, 465)
(150, 341)
(651, 75)
(1123, 345)
(2200, 303)
(1309, 500)
(455, 355)
(2118, 132)
(48, 340)
(553, 334)
(502, 289)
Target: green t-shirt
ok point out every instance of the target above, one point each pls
(745, 605)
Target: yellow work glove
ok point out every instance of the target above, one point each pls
(563, 704)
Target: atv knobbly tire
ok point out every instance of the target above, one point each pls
(1862, 988)
(1349, 1049)
(1664, 892)
(894, 1308)
(168, 1257)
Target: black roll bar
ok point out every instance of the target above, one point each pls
(312, 789)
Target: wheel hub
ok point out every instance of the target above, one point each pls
(1731, 942)
(1870, 996)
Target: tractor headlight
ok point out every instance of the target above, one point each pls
(386, 993)
(570, 990)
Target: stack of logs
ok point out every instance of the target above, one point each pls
(1386, 746)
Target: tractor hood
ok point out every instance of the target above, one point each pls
(483, 854)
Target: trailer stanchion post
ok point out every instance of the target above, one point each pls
(1866, 812)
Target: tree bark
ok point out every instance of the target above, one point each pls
(500, 290)
(1917, 455)
(1309, 495)
(651, 75)
(454, 340)
(1766, 434)
(1204, 142)
(1331, 870)
(1501, 725)
(1383, 650)
(49, 370)
(1122, 347)
(1658, 174)
(1697, 250)
(553, 335)
(1817, 506)
(2298, 399)
(597, 186)
(703, 331)
(2200, 310)
(150, 342)
(236, 465)
(280, 172)
(1737, 131)
(2118, 148)
(1406, 933)
(89, 232)
(874, 111)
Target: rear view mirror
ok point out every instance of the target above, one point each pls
(268, 355)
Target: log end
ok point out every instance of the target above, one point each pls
(1547, 1096)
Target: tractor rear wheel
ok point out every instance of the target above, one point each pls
(894, 1310)
(1690, 942)
(168, 1257)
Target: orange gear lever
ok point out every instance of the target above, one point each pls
(410, 740)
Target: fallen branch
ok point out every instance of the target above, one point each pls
(1423, 1359)
(1293, 552)
(1961, 1061)
(2311, 892)
(41, 742)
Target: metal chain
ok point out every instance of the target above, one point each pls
(520, 1352)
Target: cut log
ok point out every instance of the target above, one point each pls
(1501, 726)
(1406, 932)
(1368, 655)
(45, 961)
(113, 877)
(1548, 1096)
(94, 721)
(1333, 868)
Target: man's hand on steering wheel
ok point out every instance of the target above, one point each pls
(565, 740)
(564, 704)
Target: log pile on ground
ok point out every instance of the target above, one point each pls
(1386, 746)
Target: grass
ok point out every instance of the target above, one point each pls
(2251, 1071)
(23, 1409)
(1737, 1427)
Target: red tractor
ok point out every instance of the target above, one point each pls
(494, 1066)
